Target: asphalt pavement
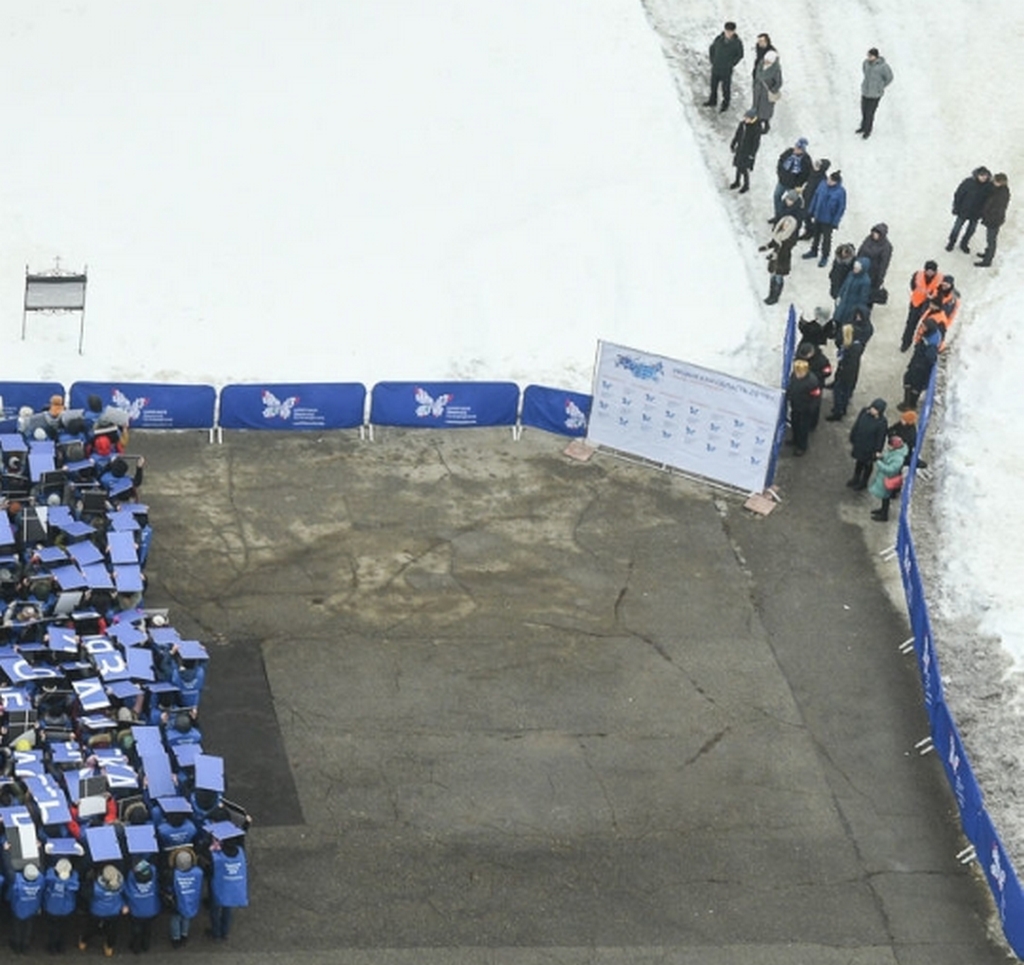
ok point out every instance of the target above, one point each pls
(488, 703)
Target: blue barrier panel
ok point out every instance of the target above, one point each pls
(444, 405)
(301, 405)
(913, 589)
(556, 410)
(788, 353)
(152, 405)
(1003, 881)
(950, 748)
(36, 395)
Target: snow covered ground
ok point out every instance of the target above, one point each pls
(308, 190)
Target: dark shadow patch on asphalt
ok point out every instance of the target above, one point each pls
(240, 725)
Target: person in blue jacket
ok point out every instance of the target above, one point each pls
(142, 895)
(229, 885)
(106, 906)
(189, 676)
(827, 207)
(60, 898)
(175, 830)
(25, 893)
(185, 892)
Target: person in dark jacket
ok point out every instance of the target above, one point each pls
(792, 170)
(877, 76)
(992, 217)
(816, 330)
(841, 267)
(826, 210)
(821, 368)
(780, 252)
(906, 428)
(878, 248)
(804, 397)
(867, 440)
(725, 52)
(761, 46)
(919, 370)
(847, 372)
(744, 145)
(855, 291)
(968, 201)
(819, 171)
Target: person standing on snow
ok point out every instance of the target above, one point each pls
(854, 293)
(877, 76)
(744, 145)
(780, 247)
(725, 52)
(819, 171)
(878, 248)
(767, 88)
(792, 169)
(992, 217)
(924, 284)
(968, 202)
(827, 207)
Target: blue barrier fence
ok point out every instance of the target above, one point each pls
(974, 818)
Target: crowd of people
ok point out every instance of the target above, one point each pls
(111, 814)
(808, 204)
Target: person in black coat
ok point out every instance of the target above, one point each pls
(847, 372)
(804, 397)
(841, 265)
(818, 171)
(820, 366)
(919, 369)
(968, 201)
(992, 217)
(878, 248)
(793, 168)
(867, 440)
(780, 249)
(725, 52)
(761, 47)
(906, 428)
(744, 145)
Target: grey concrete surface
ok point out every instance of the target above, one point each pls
(489, 704)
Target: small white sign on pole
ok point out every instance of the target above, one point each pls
(676, 414)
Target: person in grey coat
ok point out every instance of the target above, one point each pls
(767, 88)
(877, 76)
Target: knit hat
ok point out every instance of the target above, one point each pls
(31, 872)
(802, 142)
(879, 406)
(751, 114)
(930, 266)
(63, 869)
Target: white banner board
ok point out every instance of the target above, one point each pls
(684, 416)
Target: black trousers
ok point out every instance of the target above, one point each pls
(726, 81)
(868, 106)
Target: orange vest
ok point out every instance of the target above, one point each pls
(922, 289)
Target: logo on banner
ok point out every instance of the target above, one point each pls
(999, 876)
(640, 370)
(131, 407)
(574, 417)
(274, 408)
(954, 765)
(427, 405)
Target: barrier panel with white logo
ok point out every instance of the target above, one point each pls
(299, 405)
(555, 410)
(444, 405)
(153, 405)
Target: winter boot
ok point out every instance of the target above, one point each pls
(950, 245)
(734, 185)
(909, 402)
(881, 515)
(746, 183)
(774, 290)
(813, 253)
(964, 248)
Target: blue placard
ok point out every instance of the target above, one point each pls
(153, 405)
(36, 395)
(556, 410)
(282, 406)
(444, 405)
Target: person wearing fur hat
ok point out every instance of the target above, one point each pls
(888, 478)
(803, 394)
(826, 210)
(847, 372)
(867, 440)
(877, 76)
(744, 145)
(780, 254)
(767, 87)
